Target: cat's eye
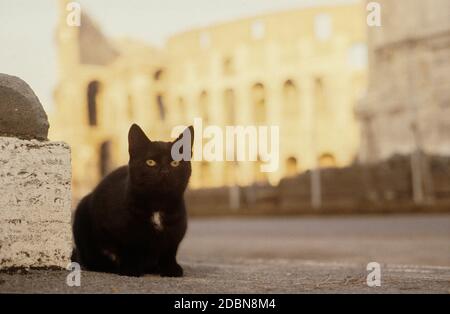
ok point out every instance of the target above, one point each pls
(150, 163)
(175, 163)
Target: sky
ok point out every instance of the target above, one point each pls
(27, 28)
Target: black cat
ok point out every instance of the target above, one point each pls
(134, 220)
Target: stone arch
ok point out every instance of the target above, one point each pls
(258, 175)
(327, 160)
(229, 100)
(291, 110)
(105, 158)
(158, 75)
(228, 66)
(291, 166)
(258, 98)
(161, 107)
(203, 104)
(319, 98)
(92, 94)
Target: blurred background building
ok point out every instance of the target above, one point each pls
(304, 70)
(407, 106)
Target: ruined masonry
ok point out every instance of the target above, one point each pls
(35, 183)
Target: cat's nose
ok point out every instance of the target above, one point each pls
(164, 171)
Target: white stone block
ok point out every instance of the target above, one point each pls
(35, 203)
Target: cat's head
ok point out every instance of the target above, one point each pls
(152, 168)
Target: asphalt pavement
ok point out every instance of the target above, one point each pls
(284, 255)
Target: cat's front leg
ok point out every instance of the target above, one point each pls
(151, 265)
(131, 264)
(171, 270)
(168, 265)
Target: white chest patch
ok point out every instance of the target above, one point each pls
(157, 221)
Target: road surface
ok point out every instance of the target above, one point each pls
(285, 255)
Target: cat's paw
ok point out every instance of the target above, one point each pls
(173, 270)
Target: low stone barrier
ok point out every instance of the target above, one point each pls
(383, 187)
(35, 183)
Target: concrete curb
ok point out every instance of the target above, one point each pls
(35, 203)
(35, 186)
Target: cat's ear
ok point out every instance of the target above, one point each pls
(137, 140)
(189, 133)
(182, 146)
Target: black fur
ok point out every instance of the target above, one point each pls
(113, 228)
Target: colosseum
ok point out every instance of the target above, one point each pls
(303, 70)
